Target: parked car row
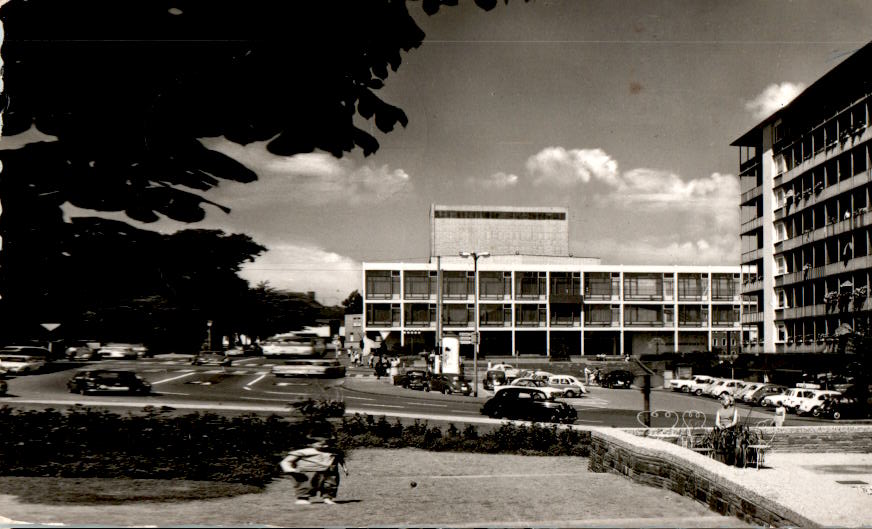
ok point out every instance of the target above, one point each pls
(446, 383)
(805, 399)
(502, 375)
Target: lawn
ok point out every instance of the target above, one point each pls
(450, 489)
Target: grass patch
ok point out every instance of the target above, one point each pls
(117, 491)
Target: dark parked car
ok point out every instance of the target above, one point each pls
(618, 379)
(3, 387)
(494, 377)
(450, 384)
(529, 404)
(106, 381)
(414, 379)
(212, 359)
(837, 407)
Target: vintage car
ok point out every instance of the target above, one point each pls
(310, 367)
(21, 364)
(527, 403)
(450, 383)
(617, 379)
(571, 386)
(414, 379)
(108, 381)
(529, 382)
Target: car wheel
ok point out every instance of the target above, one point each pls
(405, 386)
(837, 415)
(427, 389)
(83, 391)
(570, 394)
(495, 414)
(816, 411)
(555, 418)
(685, 389)
(698, 392)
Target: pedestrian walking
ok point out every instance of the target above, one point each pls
(315, 470)
(780, 415)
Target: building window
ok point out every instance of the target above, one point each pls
(382, 315)
(420, 315)
(780, 265)
(457, 284)
(530, 285)
(382, 284)
(494, 285)
(692, 287)
(598, 285)
(725, 287)
(692, 316)
(495, 315)
(643, 286)
(643, 315)
(458, 315)
(530, 315)
(418, 284)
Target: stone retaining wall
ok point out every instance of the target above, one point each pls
(855, 438)
(658, 464)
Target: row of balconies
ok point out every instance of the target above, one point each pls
(857, 263)
(566, 299)
(833, 149)
(860, 219)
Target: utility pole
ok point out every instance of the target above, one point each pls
(439, 305)
(475, 338)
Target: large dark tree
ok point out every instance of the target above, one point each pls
(129, 87)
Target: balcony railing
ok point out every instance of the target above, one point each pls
(600, 323)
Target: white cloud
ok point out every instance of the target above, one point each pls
(313, 178)
(304, 268)
(773, 98)
(495, 181)
(565, 168)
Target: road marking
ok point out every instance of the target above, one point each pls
(171, 379)
(358, 398)
(255, 381)
(386, 406)
(173, 393)
(422, 404)
(153, 370)
(215, 372)
(464, 412)
(287, 393)
(265, 398)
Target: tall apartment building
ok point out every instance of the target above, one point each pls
(534, 298)
(806, 226)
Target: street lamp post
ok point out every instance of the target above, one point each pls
(475, 339)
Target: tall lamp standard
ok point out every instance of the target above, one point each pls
(475, 340)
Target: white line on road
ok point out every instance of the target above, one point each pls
(266, 398)
(358, 398)
(173, 393)
(255, 381)
(215, 372)
(385, 406)
(171, 379)
(422, 404)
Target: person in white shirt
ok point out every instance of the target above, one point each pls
(728, 415)
(315, 469)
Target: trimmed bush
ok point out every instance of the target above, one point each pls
(246, 449)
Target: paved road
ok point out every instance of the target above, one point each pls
(249, 385)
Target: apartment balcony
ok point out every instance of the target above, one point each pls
(566, 299)
(595, 324)
(725, 324)
(565, 322)
(859, 220)
(497, 323)
(602, 296)
(809, 311)
(832, 150)
(752, 286)
(642, 323)
(751, 194)
(524, 323)
(683, 324)
(753, 255)
(382, 324)
(752, 317)
(751, 225)
(858, 263)
(419, 323)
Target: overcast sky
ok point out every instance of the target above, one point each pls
(622, 111)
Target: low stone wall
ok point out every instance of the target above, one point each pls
(661, 464)
(854, 438)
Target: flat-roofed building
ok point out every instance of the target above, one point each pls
(806, 226)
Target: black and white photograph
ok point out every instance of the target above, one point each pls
(435, 263)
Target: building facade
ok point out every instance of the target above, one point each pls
(500, 230)
(806, 226)
(554, 309)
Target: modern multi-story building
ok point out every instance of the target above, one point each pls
(547, 305)
(806, 226)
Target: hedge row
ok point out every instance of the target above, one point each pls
(246, 449)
